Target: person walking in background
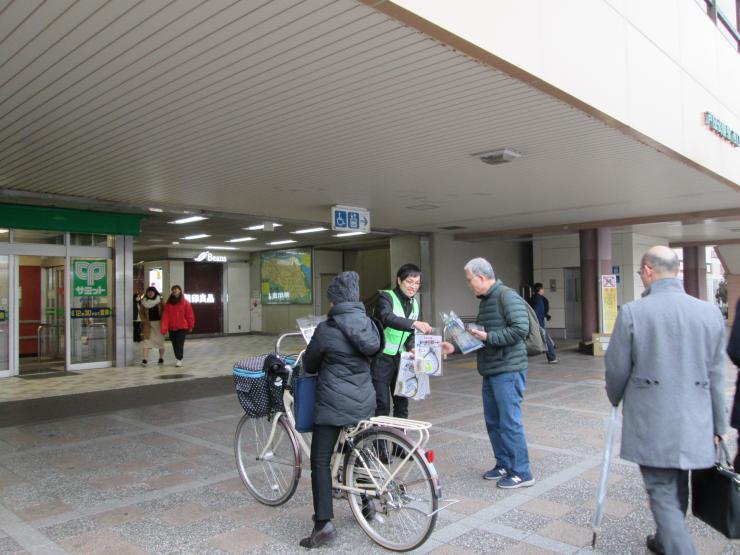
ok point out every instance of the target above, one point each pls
(666, 363)
(339, 350)
(398, 310)
(733, 350)
(151, 307)
(541, 307)
(503, 364)
(178, 319)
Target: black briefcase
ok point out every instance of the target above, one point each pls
(715, 495)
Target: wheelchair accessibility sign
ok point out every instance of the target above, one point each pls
(348, 218)
(90, 278)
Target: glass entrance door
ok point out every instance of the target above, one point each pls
(91, 312)
(41, 314)
(4, 316)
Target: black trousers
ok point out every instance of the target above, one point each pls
(737, 455)
(385, 372)
(322, 447)
(178, 342)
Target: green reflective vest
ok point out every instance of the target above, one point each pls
(394, 339)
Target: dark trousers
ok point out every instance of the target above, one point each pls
(178, 342)
(550, 348)
(322, 447)
(385, 372)
(737, 455)
(668, 490)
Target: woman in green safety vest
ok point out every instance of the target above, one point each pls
(398, 311)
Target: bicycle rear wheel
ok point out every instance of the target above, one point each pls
(269, 472)
(403, 516)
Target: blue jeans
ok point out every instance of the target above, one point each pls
(550, 348)
(502, 410)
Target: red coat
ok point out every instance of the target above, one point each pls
(177, 316)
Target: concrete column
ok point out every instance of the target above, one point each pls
(695, 272)
(589, 241)
(605, 250)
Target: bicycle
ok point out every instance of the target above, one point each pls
(387, 476)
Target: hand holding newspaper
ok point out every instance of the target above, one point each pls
(460, 337)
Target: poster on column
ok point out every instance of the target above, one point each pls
(608, 302)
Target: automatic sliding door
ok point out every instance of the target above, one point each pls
(91, 311)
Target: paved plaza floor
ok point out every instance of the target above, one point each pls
(161, 478)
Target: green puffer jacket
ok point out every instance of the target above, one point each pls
(505, 350)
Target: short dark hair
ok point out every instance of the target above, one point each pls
(408, 270)
(537, 286)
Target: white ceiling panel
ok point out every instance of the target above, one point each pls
(283, 108)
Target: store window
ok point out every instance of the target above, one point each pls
(91, 240)
(4, 316)
(4, 235)
(37, 236)
(91, 309)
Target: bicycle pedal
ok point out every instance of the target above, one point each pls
(338, 494)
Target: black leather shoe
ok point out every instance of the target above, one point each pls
(653, 546)
(320, 537)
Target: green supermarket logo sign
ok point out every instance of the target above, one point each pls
(724, 131)
(90, 278)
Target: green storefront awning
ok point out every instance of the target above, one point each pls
(21, 216)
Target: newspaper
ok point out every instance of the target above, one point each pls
(455, 330)
(428, 349)
(308, 324)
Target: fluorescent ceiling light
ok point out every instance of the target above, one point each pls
(240, 239)
(284, 242)
(156, 210)
(175, 242)
(199, 236)
(188, 220)
(218, 248)
(260, 226)
(309, 230)
(3, 230)
(350, 234)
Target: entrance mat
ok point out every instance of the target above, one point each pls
(174, 376)
(44, 375)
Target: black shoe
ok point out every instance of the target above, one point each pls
(653, 545)
(160, 361)
(320, 537)
(368, 509)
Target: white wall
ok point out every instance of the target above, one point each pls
(448, 286)
(549, 256)
(654, 66)
(236, 300)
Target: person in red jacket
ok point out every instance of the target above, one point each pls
(178, 319)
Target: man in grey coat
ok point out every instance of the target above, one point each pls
(666, 362)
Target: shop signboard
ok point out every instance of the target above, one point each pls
(608, 302)
(92, 312)
(90, 277)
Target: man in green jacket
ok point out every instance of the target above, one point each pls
(503, 365)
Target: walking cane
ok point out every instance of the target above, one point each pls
(611, 428)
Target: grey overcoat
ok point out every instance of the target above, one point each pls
(666, 361)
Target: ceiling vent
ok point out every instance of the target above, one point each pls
(452, 227)
(499, 156)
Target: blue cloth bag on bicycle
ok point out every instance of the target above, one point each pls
(304, 391)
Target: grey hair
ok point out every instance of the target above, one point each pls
(480, 267)
(662, 259)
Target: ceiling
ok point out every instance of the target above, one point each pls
(281, 109)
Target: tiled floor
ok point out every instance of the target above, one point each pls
(162, 478)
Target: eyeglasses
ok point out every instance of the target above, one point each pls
(412, 282)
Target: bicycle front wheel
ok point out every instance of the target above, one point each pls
(401, 516)
(268, 458)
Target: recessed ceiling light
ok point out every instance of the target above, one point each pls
(156, 210)
(188, 220)
(309, 230)
(260, 226)
(219, 248)
(199, 236)
(350, 234)
(284, 242)
(241, 239)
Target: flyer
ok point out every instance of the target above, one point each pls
(308, 324)
(428, 349)
(410, 383)
(455, 330)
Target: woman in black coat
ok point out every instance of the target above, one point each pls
(340, 351)
(733, 349)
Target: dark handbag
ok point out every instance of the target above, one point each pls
(304, 392)
(715, 495)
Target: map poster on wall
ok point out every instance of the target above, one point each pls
(285, 277)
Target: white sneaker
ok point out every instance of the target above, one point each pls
(178, 363)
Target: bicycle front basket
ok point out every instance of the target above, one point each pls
(253, 392)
